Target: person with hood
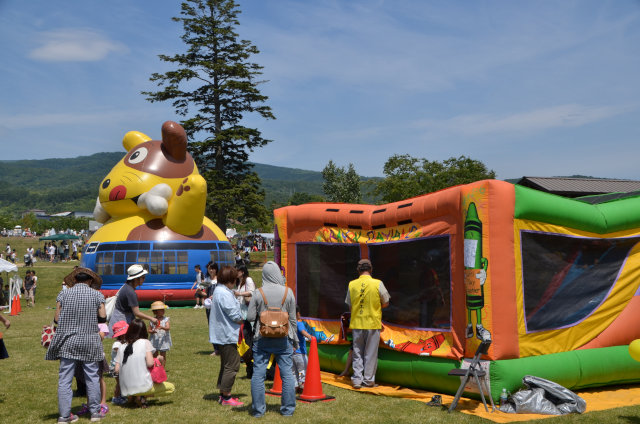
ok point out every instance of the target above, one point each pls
(274, 288)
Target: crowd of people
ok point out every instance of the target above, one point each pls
(254, 243)
(65, 251)
(234, 309)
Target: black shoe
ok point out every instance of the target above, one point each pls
(435, 401)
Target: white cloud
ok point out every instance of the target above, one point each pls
(570, 115)
(74, 45)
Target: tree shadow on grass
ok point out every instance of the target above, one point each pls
(630, 419)
(204, 352)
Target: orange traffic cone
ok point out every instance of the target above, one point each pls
(14, 307)
(312, 391)
(276, 389)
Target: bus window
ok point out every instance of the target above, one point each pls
(155, 268)
(214, 256)
(143, 257)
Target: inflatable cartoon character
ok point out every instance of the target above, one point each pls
(152, 206)
(155, 192)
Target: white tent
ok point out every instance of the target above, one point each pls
(6, 266)
(231, 232)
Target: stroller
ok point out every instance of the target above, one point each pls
(28, 260)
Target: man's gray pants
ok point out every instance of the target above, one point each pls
(365, 356)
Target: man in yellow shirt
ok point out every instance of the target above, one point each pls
(366, 297)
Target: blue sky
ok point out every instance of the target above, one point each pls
(537, 88)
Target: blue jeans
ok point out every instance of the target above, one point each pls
(263, 348)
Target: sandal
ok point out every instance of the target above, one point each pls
(141, 401)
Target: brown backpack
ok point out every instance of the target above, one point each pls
(274, 322)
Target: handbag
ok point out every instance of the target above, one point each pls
(158, 374)
(48, 332)
(110, 304)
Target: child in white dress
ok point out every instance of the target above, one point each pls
(159, 334)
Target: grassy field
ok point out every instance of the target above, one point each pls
(28, 383)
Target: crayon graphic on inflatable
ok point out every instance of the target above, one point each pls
(152, 206)
(554, 282)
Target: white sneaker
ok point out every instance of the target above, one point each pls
(196, 307)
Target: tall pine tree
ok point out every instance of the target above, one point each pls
(213, 87)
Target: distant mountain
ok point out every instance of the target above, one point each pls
(279, 173)
(280, 183)
(57, 185)
(54, 185)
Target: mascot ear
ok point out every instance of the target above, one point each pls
(174, 140)
(133, 138)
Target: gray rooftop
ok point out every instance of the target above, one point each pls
(574, 187)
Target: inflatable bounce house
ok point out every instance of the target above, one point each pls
(152, 206)
(553, 282)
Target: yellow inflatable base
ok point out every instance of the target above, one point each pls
(597, 399)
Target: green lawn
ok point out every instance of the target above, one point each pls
(28, 383)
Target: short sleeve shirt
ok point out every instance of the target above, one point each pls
(134, 375)
(126, 301)
(29, 283)
(77, 335)
(302, 345)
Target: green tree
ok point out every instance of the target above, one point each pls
(29, 221)
(300, 197)
(406, 176)
(6, 221)
(214, 86)
(341, 185)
